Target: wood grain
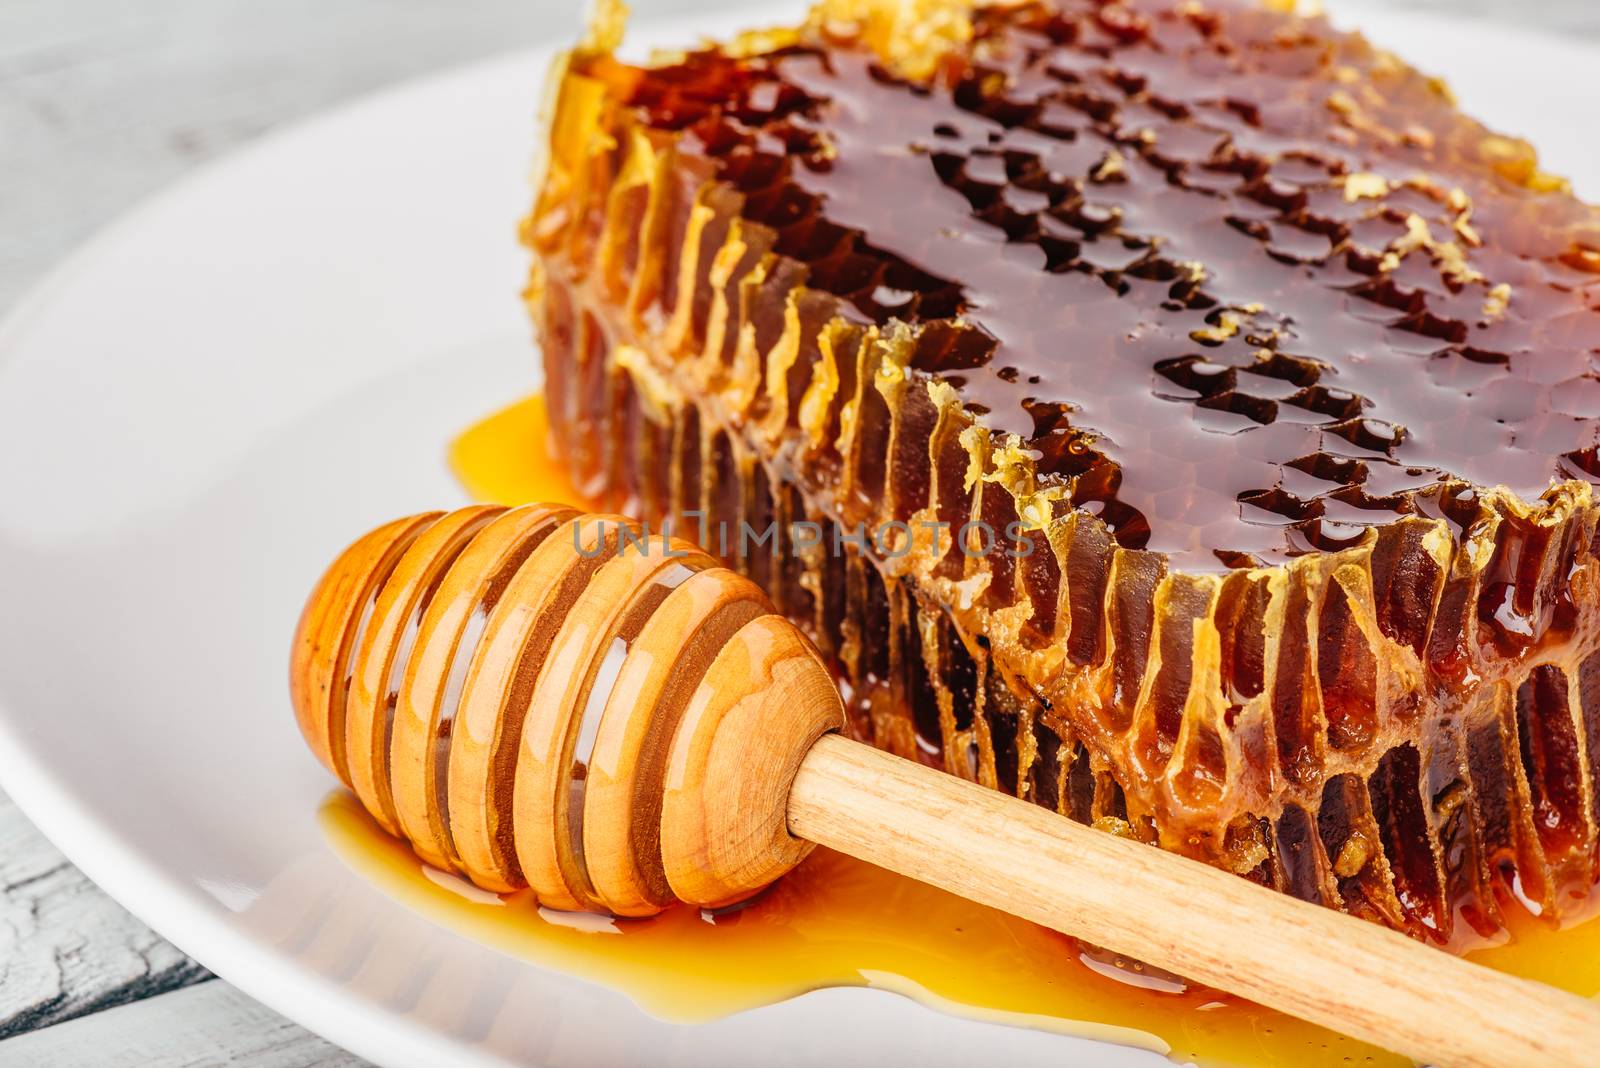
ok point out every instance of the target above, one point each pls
(752, 778)
(65, 948)
(508, 632)
(1200, 922)
(764, 700)
(209, 1024)
(104, 102)
(101, 103)
(628, 765)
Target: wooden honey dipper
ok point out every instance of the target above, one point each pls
(538, 697)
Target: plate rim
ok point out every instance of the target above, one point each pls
(178, 912)
(175, 911)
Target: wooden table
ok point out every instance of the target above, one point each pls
(102, 102)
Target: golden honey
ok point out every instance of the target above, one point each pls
(505, 458)
(835, 921)
(838, 922)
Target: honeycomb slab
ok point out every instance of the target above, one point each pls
(1178, 415)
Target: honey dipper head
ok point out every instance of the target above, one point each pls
(538, 697)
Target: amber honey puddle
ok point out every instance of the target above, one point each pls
(838, 922)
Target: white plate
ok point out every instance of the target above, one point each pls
(210, 400)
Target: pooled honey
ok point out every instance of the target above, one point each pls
(838, 922)
(505, 458)
(835, 921)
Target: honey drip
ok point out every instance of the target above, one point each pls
(838, 922)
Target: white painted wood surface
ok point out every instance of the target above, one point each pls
(101, 103)
(208, 1024)
(65, 948)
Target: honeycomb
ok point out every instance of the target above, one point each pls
(1178, 415)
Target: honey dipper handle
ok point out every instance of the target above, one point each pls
(1200, 922)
